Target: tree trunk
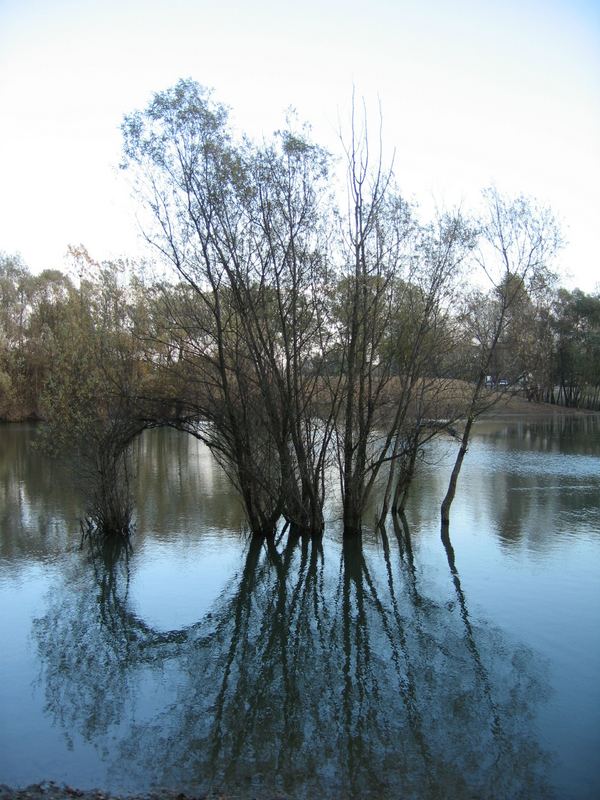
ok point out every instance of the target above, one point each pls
(464, 444)
(352, 512)
(404, 481)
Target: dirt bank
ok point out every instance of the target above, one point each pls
(52, 791)
(48, 790)
(519, 407)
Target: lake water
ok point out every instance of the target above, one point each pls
(396, 668)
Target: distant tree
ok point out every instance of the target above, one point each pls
(576, 363)
(30, 309)
(14, 278)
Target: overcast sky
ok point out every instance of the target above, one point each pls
(473, 92)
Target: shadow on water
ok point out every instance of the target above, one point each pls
(322, 671)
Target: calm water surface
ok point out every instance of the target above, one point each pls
(399, 668)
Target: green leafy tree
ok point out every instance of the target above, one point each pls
(576, 362)
(90, 404)
(241, 227)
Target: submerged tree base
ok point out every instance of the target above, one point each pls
(117, 531)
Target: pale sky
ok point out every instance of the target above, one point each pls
(473, 92)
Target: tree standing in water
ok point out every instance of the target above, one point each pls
(89, 402)
(281, 337)
(243, 226)
(518, 242)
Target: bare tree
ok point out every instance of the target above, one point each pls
(398, 289)
(518, 241)
(423, 338)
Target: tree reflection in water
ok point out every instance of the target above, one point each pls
(324, 670)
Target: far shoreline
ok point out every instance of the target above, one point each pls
(515, 407)
(507, 408)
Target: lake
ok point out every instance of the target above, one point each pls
(401, 666)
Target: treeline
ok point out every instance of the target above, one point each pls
(33, 308)
(573, 365)
(306, 334)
